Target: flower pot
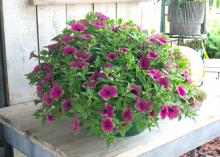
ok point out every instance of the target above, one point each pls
(133, 131)
(188, 20)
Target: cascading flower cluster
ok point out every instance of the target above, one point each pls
(109, 76)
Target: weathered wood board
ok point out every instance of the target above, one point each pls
(172, 138)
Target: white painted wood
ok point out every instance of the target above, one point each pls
(109, 9)
(172, 139)
(20, 39)
(51, 22)
(51, 2)
(78, 11)
(129, 11)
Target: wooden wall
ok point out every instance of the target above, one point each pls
(29, 28)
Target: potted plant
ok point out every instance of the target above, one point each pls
(111, 78)
(186, 16)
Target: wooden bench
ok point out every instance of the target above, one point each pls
(172, 139)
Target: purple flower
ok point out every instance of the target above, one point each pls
(67, 104)
(112, 56)
(79, 64)
(152, 113)
(56, 92)
(164, 82)
(47, 68)
(164, 111)
(90, 84)
(102, 16)
(115, 29)
(52, 48)
(127, 114)
(67, 39)
(162, 41)
(173, 112)
(181, 91)
(108, 92)
(185, 73)
(39, 89)
(78, 27)
(107, 125)
(108, 65)
(108, 111)
(142, 106)
(99, 24)
(37, 68)
(144, 63)
(97, 75)
(69, 50)
(152, 54)
(76, 126)
(50, 118)
(48, 78)
(80, 55)
(48, 99)
(86, 36)
(123, 50)
(155, 74)
(136, 90)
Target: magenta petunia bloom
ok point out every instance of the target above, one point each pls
(76, 126)
(52, 48)
(155, 74)
(78, 27)
(86, 36)
(162, 41)
(189, 79)
(67, 104)
(123, 50)
(47, 98)
(164, 111)
(56, 92)
(152, 54)
(136, 90)
(90, 84)
(144, 63)
(97, 75)
(108, 92)
(79, 64)
(108, 111)
(102, 16)
(80, 55)
(181, 91)
(99, 24)
(127, 114)
(50, 118)
(112, 56)
(185, 73)
(67, 39)
(173, 112)
(69, 50)
(39, 89)
(142, 106)
(48, 78)
(108, 65)
(47, 68)
(37, 68)
(149, 42)
(152, 113)
(107, 125)
(164, 82)
(115, 29)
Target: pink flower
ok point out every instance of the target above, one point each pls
(52, 48)
(75, 126)
(48, 99)
(152, 54)
(48, 78)
(155, 74)
(163, 112)
(50, 118)
(142, 106)
(102, 16)
(185, 73)
(99, 24)
(164, 82)
(152, 113)
(67, 39)
(69, 50)
(78, 27)
(144, 63)
(112, 56)
(97, 75)
(108, 111)
(123, 50)
(80, 55)
(173, 112)
(181, 91)
(90, 84)
(162, 41)
(56, 92)
(47, 68)
(79, 64)
(67, 104)
(139, 28)
(127, 114)
(108, 65)
(56, 38)
(188, 79)
(149, 42)
(108, 92)
(37, 68)
(136, 90)
(39, 89)
(107, 125)
(86, 36)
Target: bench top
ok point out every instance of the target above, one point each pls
(173, 138)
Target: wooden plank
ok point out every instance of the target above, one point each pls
(129, 11)
(51, 22)
(78, 11)
(52, 2)
(20, 39)
(108, 9)
(59, 140)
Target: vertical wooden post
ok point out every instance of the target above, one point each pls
(162, 21)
